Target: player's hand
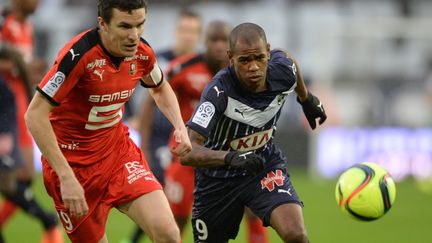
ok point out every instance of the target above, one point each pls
(73, 197)
(183, 144)
(249, 161)
(313, 109)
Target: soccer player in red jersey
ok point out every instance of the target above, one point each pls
(89, 162)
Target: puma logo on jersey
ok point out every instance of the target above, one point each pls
(240, 112)
(99, 74)
(72, 52)
(217, 90)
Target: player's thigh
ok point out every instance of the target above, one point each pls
(287, 220)
(151, 212)
(268, 191)
(91, 227)
(217, 210)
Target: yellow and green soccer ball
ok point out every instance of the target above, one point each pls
(365, 191)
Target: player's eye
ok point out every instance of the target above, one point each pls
(243, 60)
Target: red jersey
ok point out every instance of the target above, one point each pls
(89, 87)
(188, 77)
(17, 33)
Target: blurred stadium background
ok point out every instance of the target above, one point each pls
(371, 64)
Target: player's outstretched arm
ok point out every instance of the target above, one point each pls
(201, 156)
(166, 101)
(37, 121)
(311, 105)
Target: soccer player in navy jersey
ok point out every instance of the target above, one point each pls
(237, 163)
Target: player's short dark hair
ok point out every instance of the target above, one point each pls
(246, 32)
(105, 7)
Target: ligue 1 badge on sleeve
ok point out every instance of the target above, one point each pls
(132, 69)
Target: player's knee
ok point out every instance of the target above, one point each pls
(168, 233)
(297, 235)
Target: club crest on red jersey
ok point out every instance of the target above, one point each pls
(132, 69)
(271, 179)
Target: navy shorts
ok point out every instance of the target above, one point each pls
(219, 203)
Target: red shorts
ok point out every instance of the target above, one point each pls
(179, 186)
(116, 179)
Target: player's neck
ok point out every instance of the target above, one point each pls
(19, 15)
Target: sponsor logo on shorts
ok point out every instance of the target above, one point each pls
(136, 171)
(271, 179)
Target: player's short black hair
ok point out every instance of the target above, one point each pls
(105, 7)
(246, 32)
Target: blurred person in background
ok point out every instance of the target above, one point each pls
(237, 163)
(17, 31)
(89, 162)
(9, 154)
(12, 159)
(154, 127)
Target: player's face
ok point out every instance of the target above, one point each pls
(217, 43)
(122, 34)
(250, 63)
(188, 33)
(27, 6)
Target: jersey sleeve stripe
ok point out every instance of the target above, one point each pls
(51, 100)
(69, 58)
(77, 51)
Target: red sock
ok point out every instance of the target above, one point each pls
(256, 232)
(7, 209)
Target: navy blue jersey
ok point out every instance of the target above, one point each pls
(232, 118)
(8, 124)
(7, 109)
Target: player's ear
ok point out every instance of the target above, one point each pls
(102, 24)
(268, 50)
(230, 56)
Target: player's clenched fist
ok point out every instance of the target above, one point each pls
(249, 161)
(313, 108)
(183, 144)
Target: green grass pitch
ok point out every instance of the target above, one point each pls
(408, 221)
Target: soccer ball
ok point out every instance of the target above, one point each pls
(365, 191)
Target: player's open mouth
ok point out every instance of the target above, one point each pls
(131, 47)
